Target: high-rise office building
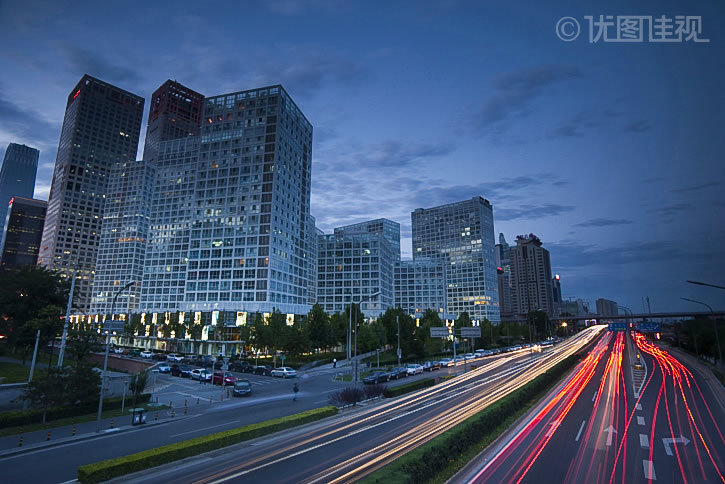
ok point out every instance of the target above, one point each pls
(382, 226)
(606, 307)
(23, 230)
(353, 267)
(420, 285)
(556, 293)
(101, 128)
(174, 112)
(243, 193)
(503, 267)
(461, 236)
(311, 253)
(124, 234)
(530, 277)
(17, 175)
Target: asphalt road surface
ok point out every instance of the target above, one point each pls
(613, 422)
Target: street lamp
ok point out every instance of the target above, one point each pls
(105, 358)
(714, 324)
(698, 283)
(360, 304)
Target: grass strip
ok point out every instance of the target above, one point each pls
(119, 466)
(440, 459)
(14, 372)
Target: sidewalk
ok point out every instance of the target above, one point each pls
(705, 371)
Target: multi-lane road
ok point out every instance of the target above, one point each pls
(354, 444)
(618, 418)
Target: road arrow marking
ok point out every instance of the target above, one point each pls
(668, 441)
(610, 430)
(639, 406)
(552, 427)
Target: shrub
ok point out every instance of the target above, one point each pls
(108, 469)
(409, 387)
(372, 391)
(347, 396)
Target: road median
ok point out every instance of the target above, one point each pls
(119, 466)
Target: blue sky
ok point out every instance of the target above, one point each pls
(612, 153)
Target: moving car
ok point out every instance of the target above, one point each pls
(284, 372)
(376, 377)
(446, 362)
(164, 368)
(242, 388)
(414, 369)
(469, 356)
(223, 378)
(146, 354)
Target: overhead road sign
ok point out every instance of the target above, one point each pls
(474, 332)
(648, 327)
(439, 332)
(617, 326)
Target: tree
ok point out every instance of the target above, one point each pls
(48, 321)
(137, 384)
(82, 341)
(540, 324)
(23, 294)
(338, 330)
(318, 327)
(277, 330)
(77, 385)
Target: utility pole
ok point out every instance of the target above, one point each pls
(35, 354)
(397, 320)
(67, 318)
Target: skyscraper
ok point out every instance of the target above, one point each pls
(23, 230)
(503, 262)
(607, 307)
(17, 175)
(420, 285)
(174, 112)
(101, 129)
(382, 226)
(531, 277)
(461, 236)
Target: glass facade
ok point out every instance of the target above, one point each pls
(421, 285)
(101, 129)
(17, 175)
(23, 230)
(461, 236)
(382, 226)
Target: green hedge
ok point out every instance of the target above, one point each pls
(409, 387)
(108, 469)
(27, 417)
(422, 464)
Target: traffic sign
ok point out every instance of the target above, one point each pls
(617, 326)
(474, 332)
(648, 327)
(109, 325)
(439, 332)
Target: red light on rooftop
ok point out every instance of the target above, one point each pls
(556, 277)
(76, 94)
(11, 201)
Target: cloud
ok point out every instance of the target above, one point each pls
(515, 92)
(671, 210)
(528, 212)
(27, 126)
(82, 60)
(639, 126)
(603, 222)
(701, 186)
(575, 256)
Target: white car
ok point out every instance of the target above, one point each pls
(146, 354)
(284, 372)
(174, 357)
(118, 351)
(414, 368)
(164, 368)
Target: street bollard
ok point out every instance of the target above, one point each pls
(111, 424)
(156, 416)
(228, 396)
(48, 435)
(171, 404)
(211, 398)
(74, 430)
(185, 410)
(172, 412)
(20, 442)
(185, 402)
(197, 400)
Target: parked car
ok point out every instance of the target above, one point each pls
(242, 388)
(469, 356)
(134, 353)
(397, 373)
(376, 377)
(446, 362)
(431, 365)
(185, 371)
(164, 368)
(195, 373)
(223, 378)
(158, 357)
(240, 366)
(118, 350)
(146, 354)
(205, 375)
(262, 370)
(193, 360)
(414, 369)
(218, 364)
(175, 370)
(174, 357)
(284, 372)
(207, 361)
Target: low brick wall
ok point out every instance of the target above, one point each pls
(118, 363)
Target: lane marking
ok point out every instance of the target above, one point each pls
(649, 470)
(639, 406)
(594, 397)
(644, 441)
(640, 420)
(579, 434)
(205, 428)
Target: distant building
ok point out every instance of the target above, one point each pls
(23, 231)
(352, 267)
(556, 293)
(503, 268)
(605, 307)
(175, 112)
(531, 277)
(575, 307)
(101, 129)
(460, 235)
(17, 175)
(420, 285)
(382, 226)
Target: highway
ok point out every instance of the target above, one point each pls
(350, 446)
(615, 421)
